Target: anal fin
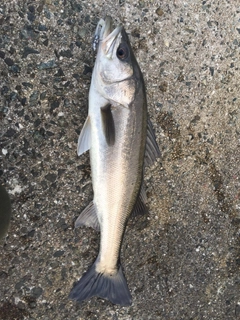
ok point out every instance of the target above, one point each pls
(88, 217)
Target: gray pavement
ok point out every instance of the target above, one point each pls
(182, 260)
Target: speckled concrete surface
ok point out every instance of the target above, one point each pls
(182, 261)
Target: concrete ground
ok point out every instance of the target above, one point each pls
(182, 260)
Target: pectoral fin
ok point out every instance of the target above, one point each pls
(84, 140)
(152, 151)
(88, 218)
(108, 124)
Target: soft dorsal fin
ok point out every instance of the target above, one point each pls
(140, 207)
(88, 217)
(84, 140)
(108, 124)
(152, 151)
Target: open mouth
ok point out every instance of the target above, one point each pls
(106, 34)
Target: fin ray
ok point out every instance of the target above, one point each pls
(84, 140)
(152, 151)
(111, 287)
(140, 207)
(88, 217)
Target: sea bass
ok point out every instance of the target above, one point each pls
(121, 142)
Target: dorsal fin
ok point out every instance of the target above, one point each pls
(140, 207)
(152, 151)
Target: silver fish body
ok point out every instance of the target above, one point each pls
(116, 134)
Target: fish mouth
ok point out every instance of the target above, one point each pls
(106, 36)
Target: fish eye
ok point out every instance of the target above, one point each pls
(122, 52)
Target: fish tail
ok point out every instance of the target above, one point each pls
(111, 287)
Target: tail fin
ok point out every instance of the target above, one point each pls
(113, 288)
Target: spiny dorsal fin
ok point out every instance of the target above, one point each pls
(152, 151)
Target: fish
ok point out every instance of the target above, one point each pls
(121, 141)
(5, 212)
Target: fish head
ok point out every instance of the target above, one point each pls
(114, 65)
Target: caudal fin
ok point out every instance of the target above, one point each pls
(113, 288)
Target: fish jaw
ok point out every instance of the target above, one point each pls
(109, 43)
(105, 35)
(103, 29)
